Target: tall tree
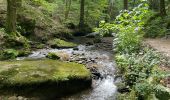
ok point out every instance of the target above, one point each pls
(111, 8)
(81, 22)
(11, 16)
(154, 4)
(67, 8)
(126, 4)
(11, 19)
(162, 8)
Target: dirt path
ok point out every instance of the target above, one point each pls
(161, 45)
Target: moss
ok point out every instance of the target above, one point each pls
(25, 52)
(7, 54)
(52, 56)
(45, 79)
(58, 43)
(30, 72)
(40, 46)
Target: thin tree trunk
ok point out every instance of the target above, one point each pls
(110, 9)
(126, 4)
(67, 9)
(11, 16)
(81, 23)
(11, 19)
(134, 3)
(162, 8)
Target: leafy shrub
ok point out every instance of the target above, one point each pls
(144, 90)
(162, 92)
(8, 54)
(138, 64)
(48, 4)
(155, 28)
(128, 28)
(136, 67)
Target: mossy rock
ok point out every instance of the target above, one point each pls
(53, 56)
(42, 77)
(162, 93)
(17, 42)
(58, 43)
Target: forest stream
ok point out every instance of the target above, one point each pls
(98, 58)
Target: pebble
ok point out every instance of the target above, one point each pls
(12, 98)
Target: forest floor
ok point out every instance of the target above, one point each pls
(161, 45)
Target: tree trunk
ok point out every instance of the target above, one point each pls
(134, 3)
(81, 23)
(126, 4)
(67, 8)
(11, 19)
(162, 8)
(11, 16)
(111, 9)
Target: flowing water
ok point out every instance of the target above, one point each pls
(103, 87)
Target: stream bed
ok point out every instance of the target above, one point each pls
(98, 58)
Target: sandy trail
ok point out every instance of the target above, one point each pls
(160, 44)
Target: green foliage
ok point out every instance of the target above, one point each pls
(140, 72)
(8, 54)
(162, 92)
(58, 43)
(49, 5)
(37, 20)
(127, 25)
(138, 65)
(144, 90)
(95, 10)
(156, 28)
(127, 96)
(52, 56)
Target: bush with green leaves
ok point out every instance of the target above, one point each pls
(128, 28)
(142, 74)
(156, 28)
(137, 64)
(8, 54)
(137, 67)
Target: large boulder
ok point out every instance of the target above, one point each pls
(58, 43)
(42, 78)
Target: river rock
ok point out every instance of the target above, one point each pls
(12, 98)
(76, 48)
(96, 75)
(89, 43)
(122, 88)
(34, 77)
(93, 35)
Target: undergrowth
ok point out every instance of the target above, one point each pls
(138, 64)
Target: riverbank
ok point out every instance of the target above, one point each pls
(142, 74)
(163, 47)
(96, 57)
